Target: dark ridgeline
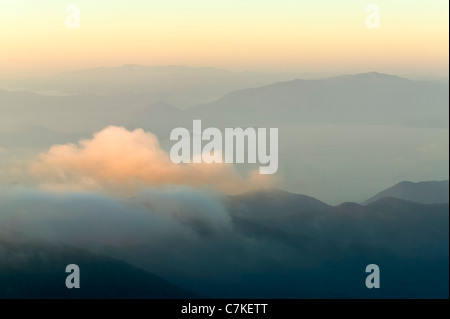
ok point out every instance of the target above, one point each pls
(332, 245)
(281, 245)
(30, 269)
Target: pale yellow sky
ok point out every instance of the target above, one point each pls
(284, 35)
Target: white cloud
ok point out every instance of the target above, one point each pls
(121, 161)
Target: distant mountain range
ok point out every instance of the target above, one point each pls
(361, 99)
(181, 86)
(432, 192)
(367, 98)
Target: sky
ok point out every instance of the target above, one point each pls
(283, 35)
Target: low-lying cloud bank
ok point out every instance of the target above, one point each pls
(194, 239)
(80, 217)
(180, 233)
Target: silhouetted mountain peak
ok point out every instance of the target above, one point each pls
(428, 192)
(372, 76)
(274, 195)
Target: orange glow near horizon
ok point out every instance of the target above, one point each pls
(411, 39)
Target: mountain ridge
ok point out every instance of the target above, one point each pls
(424, 192)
